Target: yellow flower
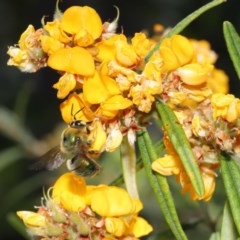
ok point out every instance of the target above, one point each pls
(71, 106)
(125, 54)
(141, 44)
(204, 53)
(32, 219)
(208, 181)
(117, 49)
(70, 192)
(194, 74)
(105, 86)
(97, 137)
(112, 105)
(107, 49)
(82, 22)
(176, 52)
(225, 106)
(108, 95)
(74, 60)
(116, 226)
(140, 227)
(152, 69)
(167, 165)
(218, 81)
(76, 210)
(50, 45)
(137, 226)
(65, 85)
(142, 94)
(55, 31)
(29, 56)
(171, 164)
(111, 201)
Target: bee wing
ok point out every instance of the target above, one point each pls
(84, 166)
(51, 160)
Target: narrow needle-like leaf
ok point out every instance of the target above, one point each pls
(231, 179)
(160, 185)
(181, 144)
(233, 45)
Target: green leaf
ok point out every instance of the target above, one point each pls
(18, 225)
(181, 144)
(159, 185)
(233, 45)
(184, 23)
(231, 179)
(228, 229)
(215, 236)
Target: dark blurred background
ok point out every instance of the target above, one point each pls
(30, 121)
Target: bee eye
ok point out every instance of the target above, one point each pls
(64, 138)
(77, 123)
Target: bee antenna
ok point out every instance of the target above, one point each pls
(74, 115)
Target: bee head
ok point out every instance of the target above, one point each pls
(70, 140)
(77, 124)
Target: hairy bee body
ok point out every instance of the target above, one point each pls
(73, 150)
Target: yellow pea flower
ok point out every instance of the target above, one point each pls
(70, 191)
(106, 48)
(28, 56)
(208, 181)
(75, 210)
(141, 44)
(176, 52)
(75, 60)
(116, 226)
(55, 31)
(116, 48)
(84, 22)
(113, 201)
(125, 54)
(50, 45)
(65, 85)
(32, 219)
(167, 165)
(71, 106)
(225, 106)
(105, 86)
(112, 105)
(97, 137)
(194, 74)
(218, 81)
(140, 227)
(204, 53)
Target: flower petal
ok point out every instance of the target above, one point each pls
(74, 60)
(113, 202)
(32, 219)
(76, 19)
(70, 191)
(65, 85)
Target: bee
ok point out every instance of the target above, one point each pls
(73, 149)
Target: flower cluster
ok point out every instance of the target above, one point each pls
(104, 74)
(197, 92)
(79, 211)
